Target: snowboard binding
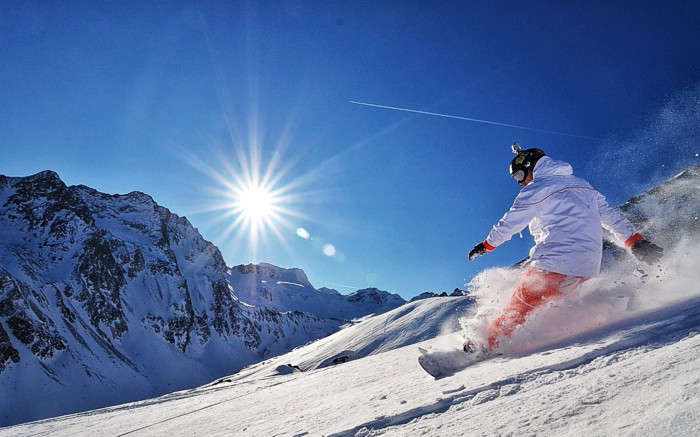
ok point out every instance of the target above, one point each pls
(470, 347)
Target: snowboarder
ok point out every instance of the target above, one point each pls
(564, 214)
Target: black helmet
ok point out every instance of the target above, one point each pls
(524, 161)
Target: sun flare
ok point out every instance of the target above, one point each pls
(256, 203)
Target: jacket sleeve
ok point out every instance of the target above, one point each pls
(512, 222)
(614, 222)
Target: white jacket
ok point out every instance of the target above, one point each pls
(564, 214)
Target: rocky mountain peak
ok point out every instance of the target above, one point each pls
(97, 290)
(373, 294)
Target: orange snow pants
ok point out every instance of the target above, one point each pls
(536, 289)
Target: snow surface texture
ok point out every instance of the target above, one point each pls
(618, 357)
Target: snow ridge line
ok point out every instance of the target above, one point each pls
(650, 331)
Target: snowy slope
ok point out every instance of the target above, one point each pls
(638, 376)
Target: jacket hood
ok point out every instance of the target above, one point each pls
(547, 166)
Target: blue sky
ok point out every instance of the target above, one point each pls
(185, 101)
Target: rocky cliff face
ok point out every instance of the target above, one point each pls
(110, 298)
(98, 258)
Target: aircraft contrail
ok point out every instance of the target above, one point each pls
(476, 120)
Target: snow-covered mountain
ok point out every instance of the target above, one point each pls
(618, 357)
(289, 290)
(111, 298)
(632, 373)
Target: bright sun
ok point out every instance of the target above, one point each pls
(256, 203)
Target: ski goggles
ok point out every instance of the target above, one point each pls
(519, 176)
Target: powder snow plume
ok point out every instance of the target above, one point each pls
(669, 143)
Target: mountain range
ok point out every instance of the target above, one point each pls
(112, 298)
(619, 356)
(106, 299)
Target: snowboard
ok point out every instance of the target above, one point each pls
(440, 364)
